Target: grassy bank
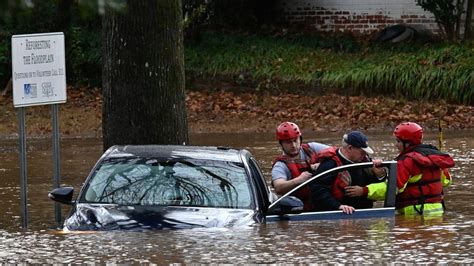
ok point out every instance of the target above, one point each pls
(412, 71)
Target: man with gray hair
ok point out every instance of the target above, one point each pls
(329, 192)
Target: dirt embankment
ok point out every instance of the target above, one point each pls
(231, 111)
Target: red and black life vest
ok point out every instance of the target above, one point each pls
(343, 178)
(298, 166)
(429, 162)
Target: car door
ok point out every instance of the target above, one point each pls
(259, 186)
(294, 213)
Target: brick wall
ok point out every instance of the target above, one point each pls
(360, 17)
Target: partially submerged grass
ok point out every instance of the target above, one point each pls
(413, 70)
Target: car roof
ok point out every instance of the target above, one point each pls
(177, 152)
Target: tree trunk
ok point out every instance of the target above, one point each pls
(459, 11)
(143, 74)
(468, 29)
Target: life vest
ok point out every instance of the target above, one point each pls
(298, 166)
(343, 178)
(425, 186)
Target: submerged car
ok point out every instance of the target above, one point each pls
(171, 187)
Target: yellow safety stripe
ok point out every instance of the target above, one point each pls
(446, 181)
(377, 191)
(429, 209)
(412, 179)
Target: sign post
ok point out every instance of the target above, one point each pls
(39, 78)
(23, 174)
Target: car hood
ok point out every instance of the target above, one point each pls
(114, 217)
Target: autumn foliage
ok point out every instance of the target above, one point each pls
(228, 110)
(259, 112)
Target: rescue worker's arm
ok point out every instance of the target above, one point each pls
(374, 191)
(283, 186)
(403, 172)
(377, 191)
(445, 177)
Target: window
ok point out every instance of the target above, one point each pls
(148, 181)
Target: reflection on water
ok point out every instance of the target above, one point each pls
(447, 239)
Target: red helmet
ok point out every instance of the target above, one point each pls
(288, 130)
(409, 132)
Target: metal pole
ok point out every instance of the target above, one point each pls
(23, 173)
(56, 160)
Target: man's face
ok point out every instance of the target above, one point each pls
(356, 155)
(291, 147)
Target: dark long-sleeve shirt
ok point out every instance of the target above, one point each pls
(321, 187)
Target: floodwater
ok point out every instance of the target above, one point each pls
(449, 239)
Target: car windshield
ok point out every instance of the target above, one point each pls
(148, 181)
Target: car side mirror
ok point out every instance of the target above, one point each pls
(287, 205)
(62, 195)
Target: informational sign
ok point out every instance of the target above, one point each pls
(38, 69)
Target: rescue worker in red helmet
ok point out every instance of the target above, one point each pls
(296, 162)
(422, 172)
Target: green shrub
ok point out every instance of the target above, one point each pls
(414, 70)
